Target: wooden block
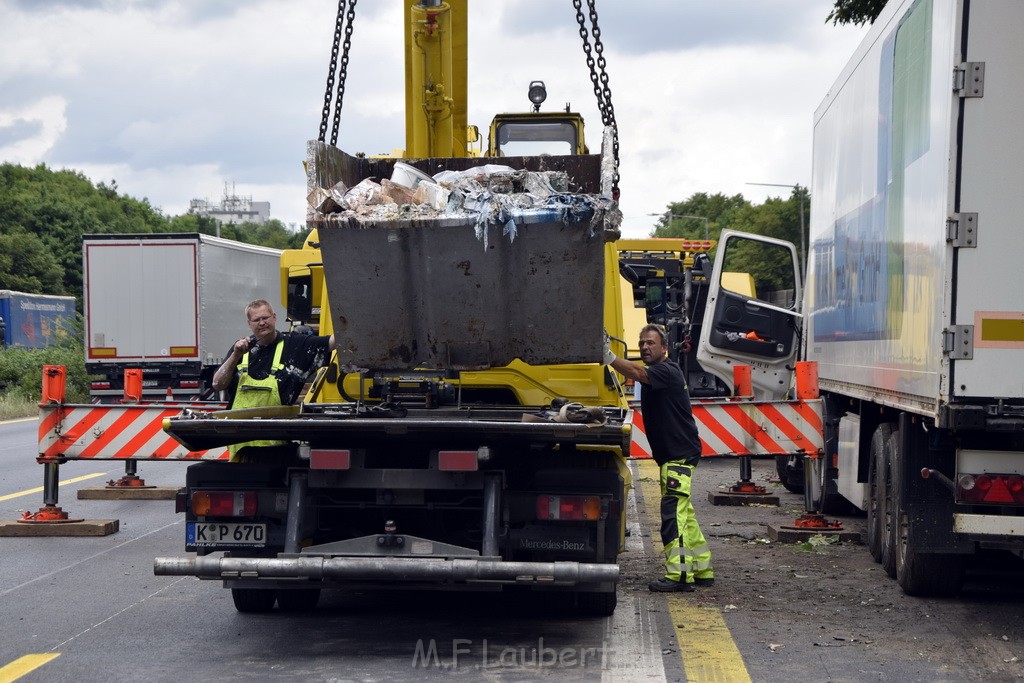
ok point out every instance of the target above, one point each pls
(87, 527)
(781, 535)
(128, 493)
(723, 498)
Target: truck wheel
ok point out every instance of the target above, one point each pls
(876, 489)
(920, 574)
(591, 604)
(886, 505)
(790, 472)
(298, 600)
(253, 600)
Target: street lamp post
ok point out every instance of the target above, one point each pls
(802, 247)
(672, 216)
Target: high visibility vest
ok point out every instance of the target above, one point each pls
(257, 393)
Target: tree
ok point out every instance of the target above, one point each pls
(27, 265)
(857, 12)
(776, 217)
(685, 218)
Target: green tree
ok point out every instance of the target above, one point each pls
(27, 265)
(857, 12)
(686, 219)
(776, 217)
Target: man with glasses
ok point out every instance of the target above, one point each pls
(268, 368)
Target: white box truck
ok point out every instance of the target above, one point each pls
(170, 305)
(915, 296)
(912, 313)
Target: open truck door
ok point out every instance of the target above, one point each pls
(752, 315)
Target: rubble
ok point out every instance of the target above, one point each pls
(491, 194)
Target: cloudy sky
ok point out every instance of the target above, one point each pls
(174, 98)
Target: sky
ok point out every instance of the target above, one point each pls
(185, 99)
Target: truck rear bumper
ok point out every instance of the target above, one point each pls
(976, 525)
(400, 570)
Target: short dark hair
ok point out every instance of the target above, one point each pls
(656, 328)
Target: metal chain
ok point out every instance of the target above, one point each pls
(326, 115)
(599, 77)
(343, 70)
(345, 13)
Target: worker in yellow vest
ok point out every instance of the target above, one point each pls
(268, 368)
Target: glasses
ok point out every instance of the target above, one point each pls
(261, 319)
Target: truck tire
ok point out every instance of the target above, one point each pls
(298, 599)
(876, 489)
(886, 505)
(790, 472)
(253, 600)
(917, 573)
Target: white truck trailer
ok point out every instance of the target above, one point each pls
(171, 305)
(914, 295)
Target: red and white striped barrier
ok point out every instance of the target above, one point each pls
(747, 428)
(117, 432)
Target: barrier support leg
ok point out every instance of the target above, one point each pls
(130, 479)
(50, 513)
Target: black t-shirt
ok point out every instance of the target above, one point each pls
(668, 418)
(302, 354)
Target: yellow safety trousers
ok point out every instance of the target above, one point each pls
(256, 393)
(687, 555)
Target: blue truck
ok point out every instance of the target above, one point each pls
(34, 321)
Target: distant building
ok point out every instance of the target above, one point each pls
(232, 209)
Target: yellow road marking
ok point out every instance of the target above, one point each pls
(39, 489)
(705, 643)
(23, 665)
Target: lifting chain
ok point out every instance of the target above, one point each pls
(346, 15)
(599, 77)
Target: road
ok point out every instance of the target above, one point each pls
(85, 609)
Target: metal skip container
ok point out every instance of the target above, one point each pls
(459, 292)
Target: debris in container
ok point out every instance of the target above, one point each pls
(493, 194)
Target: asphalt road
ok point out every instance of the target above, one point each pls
(90, 609)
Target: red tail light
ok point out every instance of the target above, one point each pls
(457, 461)
(586, 508)
(991, 489)
(225, 504)
(189, 384)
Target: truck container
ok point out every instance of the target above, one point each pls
(34, 321)
(171, 305)
(914, 304)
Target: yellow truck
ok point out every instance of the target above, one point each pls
(465, 434)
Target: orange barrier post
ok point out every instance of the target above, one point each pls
(132, 394)
(742, 384)
(132, 385)
(54, 384)
(807, 380)
(54, 381)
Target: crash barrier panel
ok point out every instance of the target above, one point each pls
(742, 426)
(131, 431)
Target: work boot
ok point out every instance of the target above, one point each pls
(664, 585)
(704, 582)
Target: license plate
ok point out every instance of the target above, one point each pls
(225, 533)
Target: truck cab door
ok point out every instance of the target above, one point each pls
(752, 315)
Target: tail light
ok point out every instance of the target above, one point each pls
(101, 385)
(225, 503)
(989, 488)
(576, 508)
(188, 384)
